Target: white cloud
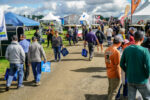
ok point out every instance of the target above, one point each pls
(66, 7)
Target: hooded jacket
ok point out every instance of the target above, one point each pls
(15, 53)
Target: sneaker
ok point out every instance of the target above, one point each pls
(37, 84)
(90, 59)
(20, 86)
(33, 81)
(7, 88)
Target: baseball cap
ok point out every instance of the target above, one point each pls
(117, 39)
(131, 28)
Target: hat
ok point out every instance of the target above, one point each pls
(117, 39)
(131, 28)
(126, 41)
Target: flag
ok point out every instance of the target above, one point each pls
(3, 33)
(134, 5)
(127, 10)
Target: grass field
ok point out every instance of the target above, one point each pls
(49, 52)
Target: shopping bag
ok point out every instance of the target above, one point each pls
(84, 52)
(7, 74)
(64, 52)
(46, 67)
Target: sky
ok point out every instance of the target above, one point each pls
(65, 7)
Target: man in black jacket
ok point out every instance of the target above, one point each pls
(100, 36)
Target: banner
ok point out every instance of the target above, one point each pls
(134, 5)
(3, 32)
(127, 10)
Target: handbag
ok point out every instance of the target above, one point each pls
(46, 67)
(84, 52)
(64, 52)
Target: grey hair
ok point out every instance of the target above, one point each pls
(122, 30)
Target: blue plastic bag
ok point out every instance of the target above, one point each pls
(46, 67)
(64, 52)
(84, 52)
(7, 74)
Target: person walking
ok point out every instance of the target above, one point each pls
(49, 36)
(70, 35)
(75, 35)
(100, 36)
(35, 54)
(16, 56)
(130, 35)
(57, 43)
(25, 45)
(84, 32)
(109, 33)
(146, 44)
(91, 39)
(135, 62)
(37, 35)
(112, 61)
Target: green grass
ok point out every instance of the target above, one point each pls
(29, 34)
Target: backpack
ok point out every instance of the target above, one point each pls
(100, 35)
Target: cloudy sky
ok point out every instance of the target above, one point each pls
(64, 7)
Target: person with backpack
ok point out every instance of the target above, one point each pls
(100, 36)
(70, 35)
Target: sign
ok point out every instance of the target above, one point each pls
(3, 32)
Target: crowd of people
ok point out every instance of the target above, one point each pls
(127, 58)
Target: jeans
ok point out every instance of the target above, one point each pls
(144, 89)
(57, 53)
(75, 39)
(109, 40)
(36, 68)
(13, 69)
(91, 49)
(69, 39)
(26, 70)
(114, 84)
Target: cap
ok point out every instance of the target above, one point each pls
(117, 39)
(131, 28)
(126, 41)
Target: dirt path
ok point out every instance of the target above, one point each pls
(75, 78)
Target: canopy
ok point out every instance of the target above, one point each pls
(142, 13)
(51, 17)
(17, 20)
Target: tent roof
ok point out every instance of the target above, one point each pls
(51, 17)
(17, 20)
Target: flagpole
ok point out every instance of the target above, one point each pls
(131, 11)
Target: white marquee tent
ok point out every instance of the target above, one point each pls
(143, 13)
(50, 17)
